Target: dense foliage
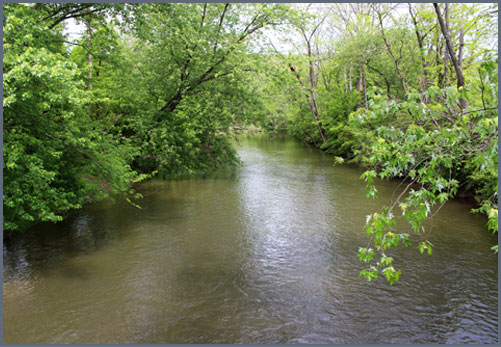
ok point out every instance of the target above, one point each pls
(407, 90)
(149, 88)
(57, 154)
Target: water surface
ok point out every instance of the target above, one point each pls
(264, 255)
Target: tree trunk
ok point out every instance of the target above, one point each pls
(359, 89)
(313, 78)
(89, 61)
(345, 81)
(446, 52)
(364, 85)
(424, 81)
(388, 47)
(311, 98)
(457, 66)
(349, 79)
(461, 45)
(438, 59)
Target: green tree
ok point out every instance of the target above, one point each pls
(56, 156)
(191, 63)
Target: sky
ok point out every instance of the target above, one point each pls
(285, 44)
(73, 30)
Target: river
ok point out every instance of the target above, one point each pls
(267, 254)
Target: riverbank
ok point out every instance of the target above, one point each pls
(245, 129)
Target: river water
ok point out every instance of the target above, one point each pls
(263, 255)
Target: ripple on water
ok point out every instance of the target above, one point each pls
(265, 256)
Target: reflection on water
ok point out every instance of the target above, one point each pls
(264, 256)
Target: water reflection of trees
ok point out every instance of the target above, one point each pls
(48, 244)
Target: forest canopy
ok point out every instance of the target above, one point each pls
(408, 91)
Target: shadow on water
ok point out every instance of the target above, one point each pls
(47, 245)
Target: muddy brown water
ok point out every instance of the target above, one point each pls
(264, 255)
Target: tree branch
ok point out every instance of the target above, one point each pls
(220, 25)
(59, 20)
(203, 15)
(388, 47)
(482, 109)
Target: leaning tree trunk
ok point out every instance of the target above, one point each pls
(89, 61)
(390, 51)
(457, 66)
(364, 86)
(446, 52)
